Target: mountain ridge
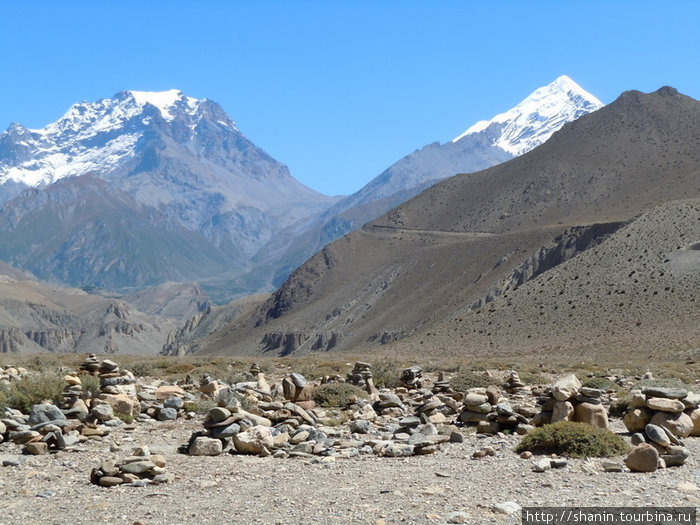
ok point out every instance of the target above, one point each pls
(437, 253)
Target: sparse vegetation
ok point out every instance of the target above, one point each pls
(465, 380)
(601, 383)
(573, 439)
(31, 390)
(337, 394)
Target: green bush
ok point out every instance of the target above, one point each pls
(602, 383)
(463, 381)
(573, 439)
(143, 369)
(90, 383)
(337, 394)
(387, 373)
(33, 389)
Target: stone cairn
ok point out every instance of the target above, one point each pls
(137, 470)
(514, 385)
(411, 377)
(90, 365)
(11, 373)
(567, 400)
(361, 376)
(73, 404)
(490, 412)
(658, 419)
(45, 428)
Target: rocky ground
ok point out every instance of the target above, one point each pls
(55, 488)
(455, 481)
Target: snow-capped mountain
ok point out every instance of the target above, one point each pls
(177, 162)
(483, 145)
(536, 118)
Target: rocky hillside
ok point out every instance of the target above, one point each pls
(462, 239)
(35, 317)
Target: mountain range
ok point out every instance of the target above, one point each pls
(148, 188)
(587, 243)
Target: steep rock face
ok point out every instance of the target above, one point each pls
(437, 254)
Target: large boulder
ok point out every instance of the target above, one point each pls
(695, 418)
(635, 420)
(563, 410)
(47, 413)
(566, 388)
(680, 425)
(595, 415)
(643, 458)
(204, 446)
(255, 440)
(123, 404)
(665, 405)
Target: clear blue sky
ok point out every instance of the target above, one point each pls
(339, 91)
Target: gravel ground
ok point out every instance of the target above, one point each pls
(55, 489)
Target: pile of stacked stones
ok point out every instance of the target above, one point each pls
(659, 418)
(45, 428)
(266, 424)
(411, 377)
(73, 404)
(139, 469)
(490, 412)
(361, 376)
(567, 400)
(117, 393)
(514, 385)
(90, 365)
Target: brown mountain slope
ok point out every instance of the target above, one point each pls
(38, 317)
(637, 290)
(456, 243)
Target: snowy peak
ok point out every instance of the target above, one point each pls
(536, 118)
(99, 136)
(166, 101)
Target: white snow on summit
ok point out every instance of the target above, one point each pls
(536, 118)
(164, 100)
(95, 136)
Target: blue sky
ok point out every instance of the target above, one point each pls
(339, 91)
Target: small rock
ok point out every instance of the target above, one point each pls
(110, 481)
(37, 449)
(457, 517)
(507, 507)
(541, 465)
(611, 466)
(657, 434)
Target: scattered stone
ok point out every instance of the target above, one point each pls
(643, 458)
(507, 507)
